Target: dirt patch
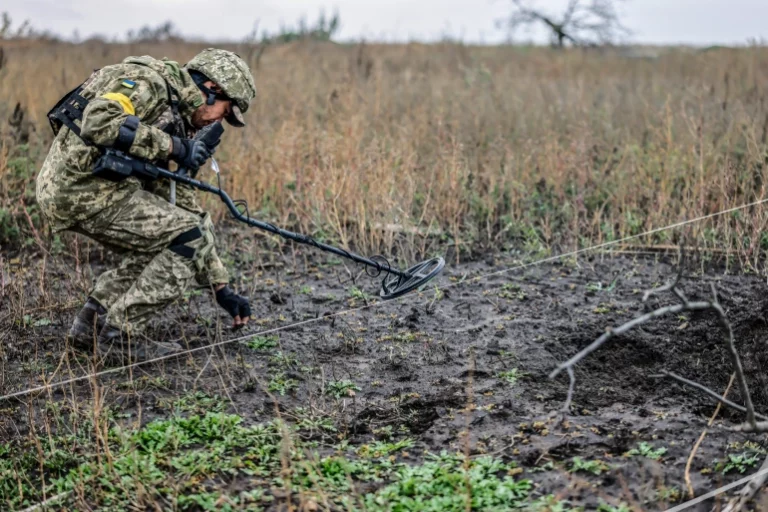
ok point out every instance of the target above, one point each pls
(463, 369)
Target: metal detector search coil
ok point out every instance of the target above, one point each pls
(395, 285)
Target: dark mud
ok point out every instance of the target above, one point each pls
(463, 368)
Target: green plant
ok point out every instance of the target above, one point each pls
(283, 360)
(341, 388)
(281, 384)
(356, 293)
(380, 449)
(645, 449)
(261, 342)
(596, 467)
(509, 376)
(512, 291)
(738, 462)
(449, 483)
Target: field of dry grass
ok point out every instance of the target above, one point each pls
(484, 145)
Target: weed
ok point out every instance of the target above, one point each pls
(646, 450)
(738, 462)
(509, 376)
(448, 483)
(379, 449)
(261, 342)
(341, 388)
(512, 291)
(279, 383)
(283, 360)
(596, 467)
(356, 293)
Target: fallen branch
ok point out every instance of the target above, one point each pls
(610, 333)
(706, 391)
(685, 305)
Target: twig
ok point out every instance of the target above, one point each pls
(567, 407)
(726, 325)
(707, 391)
(690, 306)
(695, 449)
(671, 286)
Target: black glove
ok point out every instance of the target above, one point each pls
(234, 304)
(189, 153)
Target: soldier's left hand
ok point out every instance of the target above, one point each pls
(236, 305)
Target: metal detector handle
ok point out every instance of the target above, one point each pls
(210, 136)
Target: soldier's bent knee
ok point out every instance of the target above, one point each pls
(194, 244)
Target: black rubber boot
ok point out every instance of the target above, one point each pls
(87, 325)
(115, 346)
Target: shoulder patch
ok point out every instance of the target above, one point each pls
(128, 83)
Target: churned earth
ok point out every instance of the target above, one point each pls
(351, 411)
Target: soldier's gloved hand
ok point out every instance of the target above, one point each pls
(236, 305)
(188, 153)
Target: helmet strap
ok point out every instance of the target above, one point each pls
(210, 95)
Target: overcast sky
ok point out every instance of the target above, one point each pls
(699, 22)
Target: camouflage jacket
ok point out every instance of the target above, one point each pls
(66, 190)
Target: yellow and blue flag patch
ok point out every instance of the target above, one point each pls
(128, 83)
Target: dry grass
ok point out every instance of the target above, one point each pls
(488, 145)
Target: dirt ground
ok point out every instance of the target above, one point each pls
(462, 366)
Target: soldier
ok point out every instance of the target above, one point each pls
(145, 108)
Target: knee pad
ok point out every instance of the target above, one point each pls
(195, 244)
(186, 244)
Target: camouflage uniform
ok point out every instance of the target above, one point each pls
(133, 218)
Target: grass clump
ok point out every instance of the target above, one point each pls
(449, 483)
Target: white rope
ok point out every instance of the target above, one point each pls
(312, 320)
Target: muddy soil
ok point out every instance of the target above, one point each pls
(462, 365)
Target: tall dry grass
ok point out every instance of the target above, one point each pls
(488, 146)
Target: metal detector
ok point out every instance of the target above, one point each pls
(116, 165)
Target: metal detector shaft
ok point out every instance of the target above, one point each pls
(290, 235)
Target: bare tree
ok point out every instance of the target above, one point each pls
(584, 22)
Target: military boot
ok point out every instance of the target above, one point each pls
(87, 325)
(115, 346)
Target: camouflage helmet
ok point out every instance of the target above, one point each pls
(227, 70)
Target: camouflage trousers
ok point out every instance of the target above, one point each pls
(150, 276)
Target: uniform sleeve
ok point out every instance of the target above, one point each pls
(106, 112)
(214, 270)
